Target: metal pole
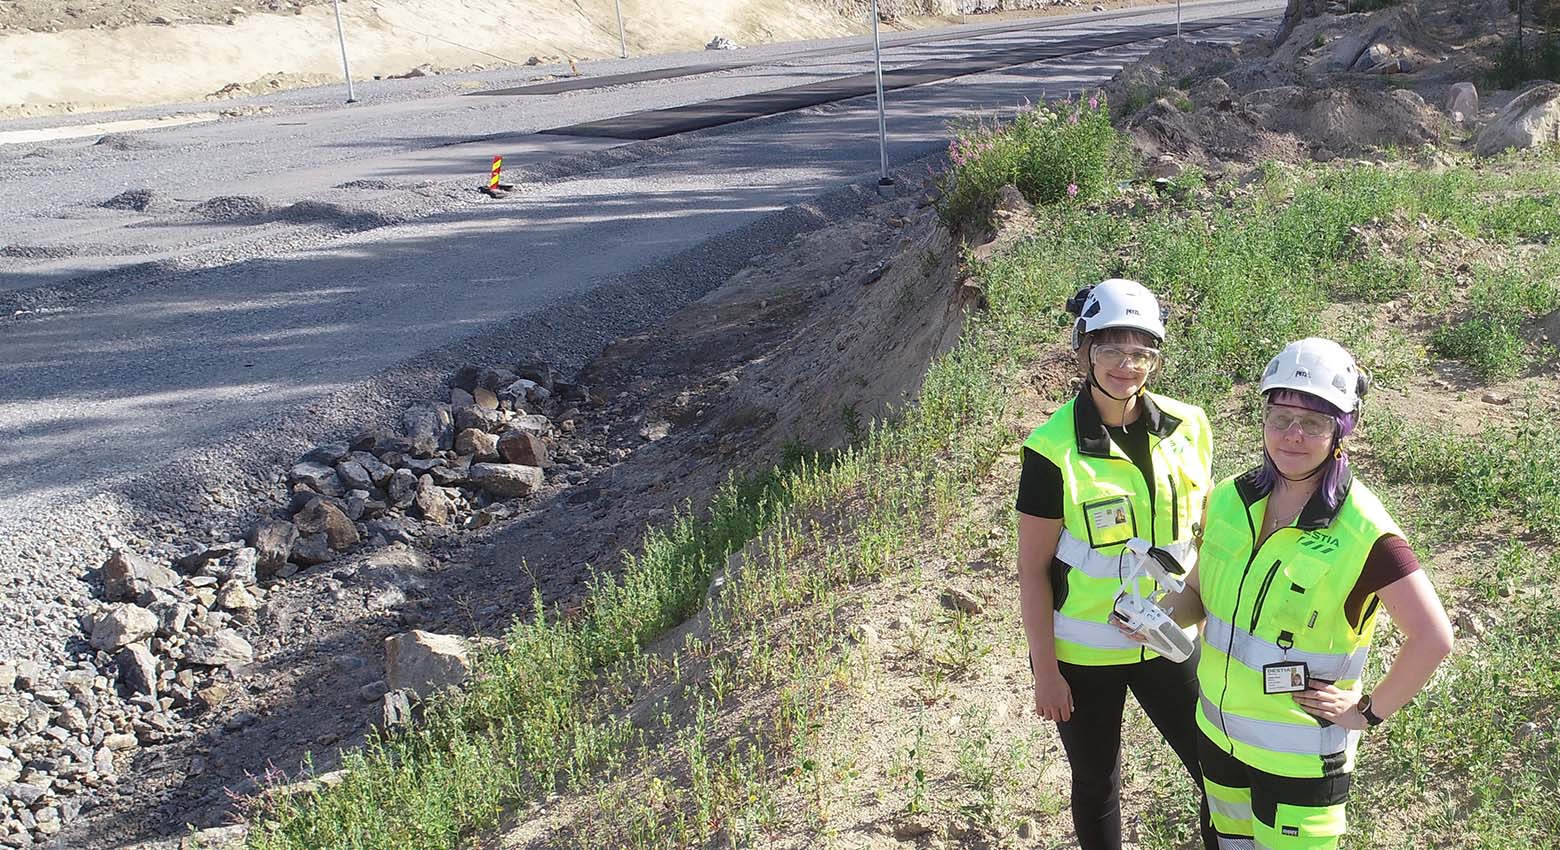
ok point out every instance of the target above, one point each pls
(884, 180)
(1177, 20)
(622, 40)
(341, 36)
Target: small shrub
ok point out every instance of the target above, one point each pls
(1488, 344)
(1066, 151)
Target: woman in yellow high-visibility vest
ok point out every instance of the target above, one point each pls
(1296, 560)
(1113, 464)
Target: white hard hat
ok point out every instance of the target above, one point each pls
(1318, 367)
(1116, 303)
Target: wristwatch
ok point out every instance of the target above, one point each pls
(1364, 708)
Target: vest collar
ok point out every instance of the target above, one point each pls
(1090, 429)
(1314, 515)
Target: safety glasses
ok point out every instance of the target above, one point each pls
(1280, 419)
(1136, 358)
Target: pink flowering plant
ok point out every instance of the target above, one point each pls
(1060, 152)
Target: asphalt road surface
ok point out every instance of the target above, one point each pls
(283, 259)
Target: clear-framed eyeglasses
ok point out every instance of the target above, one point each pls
(1280, 419)
(1137, 358)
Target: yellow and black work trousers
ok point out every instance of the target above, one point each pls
(1255, 810)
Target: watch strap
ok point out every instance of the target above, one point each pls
(1366, 711)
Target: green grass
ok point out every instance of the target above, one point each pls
(1488, 333)
(1507, 474)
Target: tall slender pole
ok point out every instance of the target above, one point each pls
(877, 61)
(622, 39)
(1177, 20)
(341, 36)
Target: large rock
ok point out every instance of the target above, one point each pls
(533, 423)
(420, 424)
(137, 669)
(403, 488)
(318, 477)
(1463, 98)
(220, 649)
(1531, 120)
(475, 416)
(310, 549)
(242, 565)
(322, 517)
(431, 502)
(534, 368)
(126, 576)
(273, 542)
(354, 476)
(523, 447)
(173, 617)
(424, 662)
(378, 470)
(125, 624)
(506, 480)
(325, 455)
(477, 443)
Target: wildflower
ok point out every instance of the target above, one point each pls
(1094, 102)
(1073, 118)
(1072, 190)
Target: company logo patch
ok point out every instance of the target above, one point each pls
(1319, 542)
(1291, 830)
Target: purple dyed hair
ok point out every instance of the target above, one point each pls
(1333, 468)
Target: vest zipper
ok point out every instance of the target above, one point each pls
(1256, 610)
(1175, 508)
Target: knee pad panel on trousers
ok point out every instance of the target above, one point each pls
(1230, 809)
(1301, 827)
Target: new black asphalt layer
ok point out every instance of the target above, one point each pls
(658, 123)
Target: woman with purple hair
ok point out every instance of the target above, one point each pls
(1297, 557)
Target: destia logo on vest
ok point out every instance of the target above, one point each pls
(1319, 542)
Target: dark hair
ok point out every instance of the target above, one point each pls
(1334, 468)
(1123, 335)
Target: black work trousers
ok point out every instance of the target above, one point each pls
(1168, 694)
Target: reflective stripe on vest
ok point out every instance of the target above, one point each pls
(1256, 653)
(1097, 635)
(1078, 554)
(1227, 843)
(1280, 737)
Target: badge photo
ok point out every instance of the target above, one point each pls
(1285, 677)
(1110, 521)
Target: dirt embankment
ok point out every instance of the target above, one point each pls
(794, 351)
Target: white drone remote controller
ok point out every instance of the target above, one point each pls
(1140, 614)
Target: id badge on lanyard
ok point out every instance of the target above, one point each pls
(1285, 677)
